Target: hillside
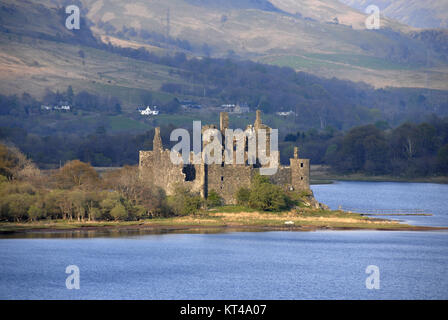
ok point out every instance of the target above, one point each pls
(132, 64)
(326, 38)
(416, 13)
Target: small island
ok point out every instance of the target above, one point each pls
(76, 200)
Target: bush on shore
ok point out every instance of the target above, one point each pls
(184, 202)
(263, 195)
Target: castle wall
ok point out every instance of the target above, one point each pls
(228, 179)
(282, 177)
(156, 168)
(300, 174)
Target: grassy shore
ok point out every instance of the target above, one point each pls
(228, 217)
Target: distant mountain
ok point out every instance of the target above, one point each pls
(109, 57)
(236, 4)
(324, 38)
(416, 13)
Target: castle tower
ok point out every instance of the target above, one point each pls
(300, 172)
(157, 141)
(223, 122)
(258, 122)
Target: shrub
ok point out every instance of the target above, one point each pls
(213, 199)
(183, 202)
(242, 196)
(266, 196)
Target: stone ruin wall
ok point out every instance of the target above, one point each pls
(227, 179)
(156, 167)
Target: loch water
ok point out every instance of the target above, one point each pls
(246, 265)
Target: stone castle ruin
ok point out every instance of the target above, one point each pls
(225, 178)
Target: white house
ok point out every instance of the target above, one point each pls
(149, 112)
(285, 113)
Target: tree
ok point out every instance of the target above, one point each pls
(242, 196)
(7, 162)
(118, 212)
(76, 174)
(183, 202)
(213, 199)
(69, 94)
(110, 201)
(94, 213)
(127, 183)
(18, 204)
(60, 199)
(146, 98)
(117, 108)
(34, 212)
(266, 196)
(15, 165)
(78, 198)
(171, 107)
(442, 159)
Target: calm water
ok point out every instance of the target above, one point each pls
(431, 197)
(261, 265)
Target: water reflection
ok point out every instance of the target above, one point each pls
(121, 232)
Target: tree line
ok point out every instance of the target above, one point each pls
(409, 150)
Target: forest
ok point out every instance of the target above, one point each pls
(409, 150)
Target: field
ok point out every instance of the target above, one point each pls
(376, 71)
(33, 65)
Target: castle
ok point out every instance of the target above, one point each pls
(225, 178)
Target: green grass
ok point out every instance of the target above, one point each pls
(300, 62)
(232, 209)
(122, 123)
(361, 61)
(310, 61)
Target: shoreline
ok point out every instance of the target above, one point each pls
(320, 175)
(172, 225)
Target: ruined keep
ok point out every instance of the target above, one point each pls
(226, 178)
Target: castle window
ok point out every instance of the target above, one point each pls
(222, 178)
(189, 171)
(301, 178)
(301, 164)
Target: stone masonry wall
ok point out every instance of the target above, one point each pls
(228, 179)
(156, 168)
